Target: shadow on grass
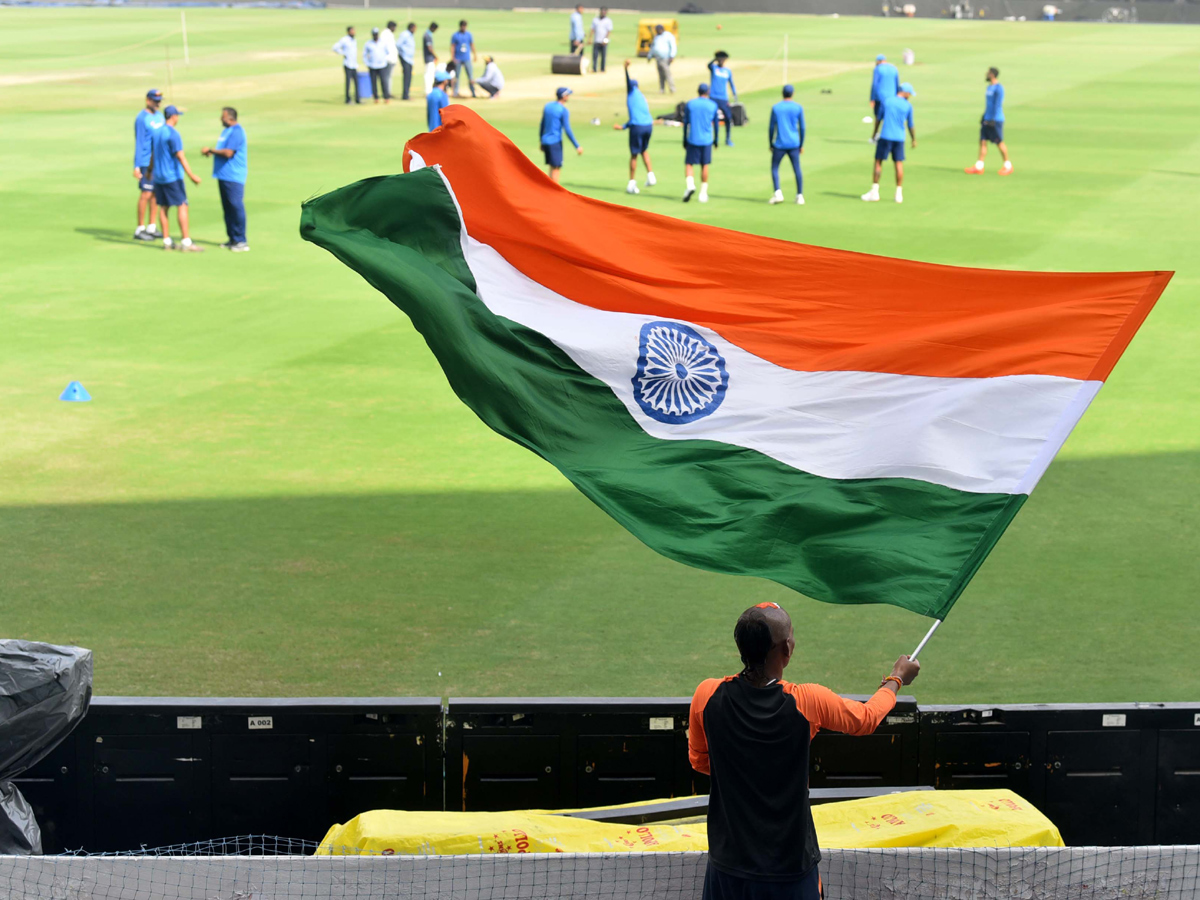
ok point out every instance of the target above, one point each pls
(116, 236)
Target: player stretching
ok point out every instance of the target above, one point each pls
(722, 84)
(699, 135)
(641, 127)
(786, 134)
(896, 112)
(555, 121)
(991, 127)
(147, 122)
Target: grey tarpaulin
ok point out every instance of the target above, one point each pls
(44, 692)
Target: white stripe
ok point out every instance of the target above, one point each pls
(984, 435)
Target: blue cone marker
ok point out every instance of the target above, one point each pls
(75, 393)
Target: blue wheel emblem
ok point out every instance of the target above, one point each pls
(680, 375)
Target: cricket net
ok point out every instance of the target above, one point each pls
(269, 868)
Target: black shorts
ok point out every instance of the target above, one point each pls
(639, 138)
(720, 886)
(991, 131)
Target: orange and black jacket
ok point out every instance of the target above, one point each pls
(753, 742)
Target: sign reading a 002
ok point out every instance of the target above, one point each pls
(258, 723)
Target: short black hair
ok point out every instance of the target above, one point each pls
(994, 71)
(462, 23)
(391, 23)
(232, 112)
(410, 25)
(349, 28)
(752, 634)
(721, 54)
(433, 26)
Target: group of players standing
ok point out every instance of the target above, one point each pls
(891, 102)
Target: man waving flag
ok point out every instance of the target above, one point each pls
(765, 410)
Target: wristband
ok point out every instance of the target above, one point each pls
(895, 678)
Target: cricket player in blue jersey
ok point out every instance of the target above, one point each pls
(991, 126)
(170, 165)
(786, 135)
(896, 113)
(230, 168)
(640, 127)
(885, 82)
(556, 121)
(722, 86)
(436, 100)
(147, 122)
(699, 135)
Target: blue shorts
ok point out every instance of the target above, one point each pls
(697, 156)
(146, 182)
(639, 138)
(991, 131)
(878, 110)
(553, 153)
(883, 148)
(719, 885)
(726, 111)
(171, 194)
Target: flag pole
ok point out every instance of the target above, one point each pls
(925, 640)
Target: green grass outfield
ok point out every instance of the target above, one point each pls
(274, 492)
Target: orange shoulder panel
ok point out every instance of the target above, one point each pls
(697, 740)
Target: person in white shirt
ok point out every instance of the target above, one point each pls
(576, 32)
(406, 47)
(602, 28)
(492, 79)
(663, 49)
(376, 59)
(347, 49)
(387, 39)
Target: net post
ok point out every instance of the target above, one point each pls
(925, 640)
(187, 60)
(785, 58)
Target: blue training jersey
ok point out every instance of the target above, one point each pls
(165, 143)
(787, 125)
(462, 42)
(885, 82)
(235, 168)
(700, 121)
(436, 101)
(722, 82)
(144, 126)
(635, 100)
(994, 111)
(897, 112)
(556, 121)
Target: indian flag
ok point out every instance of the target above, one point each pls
(858, 428)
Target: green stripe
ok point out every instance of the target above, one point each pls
(707, 504)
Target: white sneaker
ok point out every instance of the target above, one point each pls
(651, 181)
(799, 199)
(688, 194)
(632, 188)
(168, 244)
(776, 197)
(703, 198)
(899, 195)
(871, 196)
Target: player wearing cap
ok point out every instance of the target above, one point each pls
(699, 135)
(170, 165)
(897, 112)
(991, 126)
(786, 135)
(640, 127)
(436, 100)
(722, 85)
(556, 121)
(750, 733)
(148, 120)
(885, 82)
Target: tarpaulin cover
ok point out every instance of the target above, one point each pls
(44, 693)
(996, 818)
